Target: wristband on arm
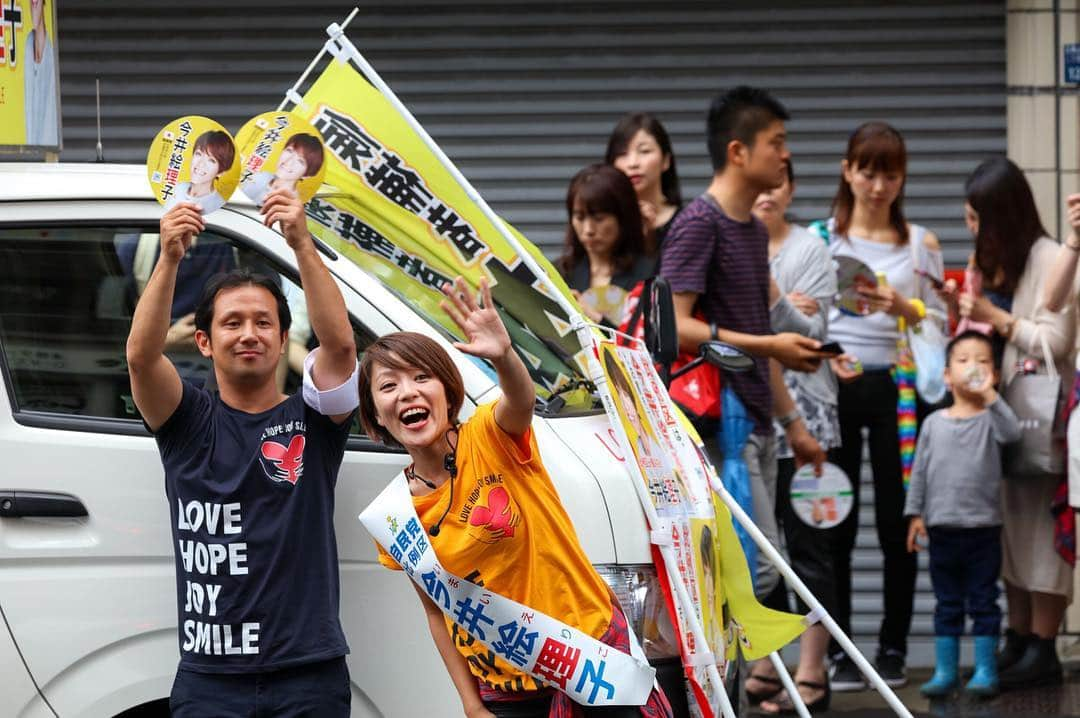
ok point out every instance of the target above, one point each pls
(331, 402)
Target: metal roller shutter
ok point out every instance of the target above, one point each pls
(523, 94)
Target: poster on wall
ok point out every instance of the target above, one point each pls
(29, 75)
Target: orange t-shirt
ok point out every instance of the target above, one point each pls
(508, 531)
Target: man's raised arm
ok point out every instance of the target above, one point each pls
(335, 360)
(155, 384)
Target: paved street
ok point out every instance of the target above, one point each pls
(1063, 701)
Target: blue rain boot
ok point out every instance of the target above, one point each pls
(946, 657)
(985, 681)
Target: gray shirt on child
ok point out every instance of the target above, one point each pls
(955, 481)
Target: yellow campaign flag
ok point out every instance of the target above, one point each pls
(29, 75)
(756, 630)
(397, 212)
(749, 627)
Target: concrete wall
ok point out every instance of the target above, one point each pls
(1044, 127)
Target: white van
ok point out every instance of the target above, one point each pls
(87, 592)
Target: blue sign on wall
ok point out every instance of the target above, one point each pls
(1072, 63)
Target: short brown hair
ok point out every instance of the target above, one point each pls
(402, 350)
(310, 148)
(220, 146)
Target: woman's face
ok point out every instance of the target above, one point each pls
(874, 189)
(630, 409)
(643, 162)
(771, 206)
(291, 165)
(410, 404)
(598, 232)
(971, 219)
(204, 167)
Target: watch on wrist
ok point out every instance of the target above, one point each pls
(789, 418)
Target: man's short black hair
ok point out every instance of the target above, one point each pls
(241, 277)
(964, 336)
(739, 114)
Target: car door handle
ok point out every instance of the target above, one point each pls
(22, 504)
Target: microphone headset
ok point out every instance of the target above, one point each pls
(450, 465)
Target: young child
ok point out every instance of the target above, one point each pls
(953, 497)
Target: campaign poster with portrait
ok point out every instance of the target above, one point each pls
(280, 150)
(29, 75)
(193, 159)
(679, 491)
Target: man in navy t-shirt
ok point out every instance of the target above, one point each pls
(250, 476)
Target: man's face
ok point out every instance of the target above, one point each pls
(765, 162)
(245, 340)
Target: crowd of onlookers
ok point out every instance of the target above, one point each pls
(742, 272)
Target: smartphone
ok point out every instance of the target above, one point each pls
(831, 348)
(934, 281)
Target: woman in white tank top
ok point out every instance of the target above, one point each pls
(868, 224)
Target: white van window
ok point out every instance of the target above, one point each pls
(66, 300)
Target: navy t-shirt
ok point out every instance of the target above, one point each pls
(726, 262)
(251, 501)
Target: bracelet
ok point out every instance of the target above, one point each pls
(714, 332)
(789, 418)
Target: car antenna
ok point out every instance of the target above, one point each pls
(97, 103)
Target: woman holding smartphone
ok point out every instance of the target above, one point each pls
(868, 224)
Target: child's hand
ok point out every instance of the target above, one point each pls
(916, 532)
(986, 390)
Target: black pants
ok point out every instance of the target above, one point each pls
(314, 690)
(807, 548)
(870, 402)
(539, 708)
(964, 568)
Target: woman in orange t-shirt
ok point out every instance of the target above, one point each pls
(492, 512)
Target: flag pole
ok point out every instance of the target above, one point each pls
(816, 609)
(293, 93)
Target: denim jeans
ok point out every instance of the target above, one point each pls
(964, 568)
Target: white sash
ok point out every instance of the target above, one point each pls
(590, 672)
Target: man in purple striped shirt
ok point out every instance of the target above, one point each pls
(715, 257)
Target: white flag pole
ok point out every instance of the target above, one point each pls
(817, 611)
(789, 685)
(293, 93)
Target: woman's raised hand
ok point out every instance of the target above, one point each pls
(485, 335)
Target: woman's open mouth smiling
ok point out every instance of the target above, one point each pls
(414, 417)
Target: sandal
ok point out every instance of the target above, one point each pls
(785, 706)
(756, 698)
